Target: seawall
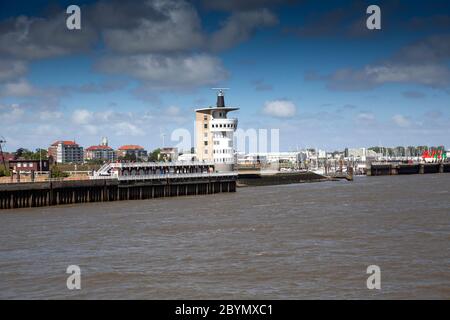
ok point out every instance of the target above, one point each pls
(257, 179)
(386, 169)
(37, 194)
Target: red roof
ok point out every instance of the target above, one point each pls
(100, 147)
(64, 142)
(131, 147)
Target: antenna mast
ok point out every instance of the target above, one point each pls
(2, 141)
(220, 97)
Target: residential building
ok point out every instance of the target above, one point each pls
(101, 152)
(66, 152)
(133, 151)
(214, 135)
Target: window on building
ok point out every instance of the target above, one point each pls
(205, 117)
(206, 143)
(206, 151)
(205, 126)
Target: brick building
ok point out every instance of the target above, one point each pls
(24, 166)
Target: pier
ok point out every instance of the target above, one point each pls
(165, 181)
(386, 169)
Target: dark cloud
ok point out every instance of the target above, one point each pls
(30, 38)
(169, 26)
(438, 21)
(261, 85)
(12, 69)
(240, 26)
(348, 20)
(422, 62)
(96, 88)
(413, 94)
(434, 114)
(161, 43)
(433, 49)
(167, 71)
(240, 5)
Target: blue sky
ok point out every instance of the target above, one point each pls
(309, 68)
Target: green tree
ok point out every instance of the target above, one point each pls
(56, 172)
(155, 155)
(128, 157)
(4, 173)
(40, 154)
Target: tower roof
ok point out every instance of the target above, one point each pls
(220, 104)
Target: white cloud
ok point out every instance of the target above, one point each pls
(401, 121)
(279, 108)
(173, 111)
(365, 117)
(82, 116)
(127, 129)
(12, 113)
(47, 130)
(50, 115)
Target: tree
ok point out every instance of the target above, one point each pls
(56, 172)
(40, 154)
(128, 157)
(155, 155)
(4, 173)
(22, 153)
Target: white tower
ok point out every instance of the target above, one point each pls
(104, 141)
(215, 134)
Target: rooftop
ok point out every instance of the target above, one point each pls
(64, 142)
(220, 105)
(131, 147)
(99, 147)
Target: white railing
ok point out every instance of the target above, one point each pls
(159, 164)
(178, 176)
(121, 165)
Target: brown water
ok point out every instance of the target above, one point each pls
(281, 242)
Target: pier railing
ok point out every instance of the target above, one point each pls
(167, 176)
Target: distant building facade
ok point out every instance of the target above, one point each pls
(66, 152)
(101, 152)
(168, 154)
(28, 165)
(132, 150)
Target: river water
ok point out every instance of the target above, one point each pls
(301, 241)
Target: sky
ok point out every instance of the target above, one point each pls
(137, 70)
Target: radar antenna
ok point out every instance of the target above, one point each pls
(220, 97)
(2, 157)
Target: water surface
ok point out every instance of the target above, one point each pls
(280, 242)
